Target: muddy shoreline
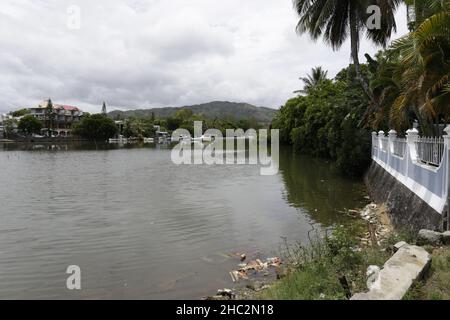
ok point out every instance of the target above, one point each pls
(373, 218)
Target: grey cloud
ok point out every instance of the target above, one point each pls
(139, 53)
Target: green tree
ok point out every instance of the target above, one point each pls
(337, 20)
(49, 117)
(138, 128)
(424, 68)
(288, 118)
(385, 87)
(96, 127)
(20, 112)
(312, 80)
(184, 114)
(421, 10)
(324, 122)
(9, 125)
(173, 123)
(29, 125)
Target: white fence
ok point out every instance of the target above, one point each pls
(420, 163)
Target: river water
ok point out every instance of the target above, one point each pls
(141, 227)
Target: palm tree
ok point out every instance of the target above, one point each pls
(420, 10)
(424, 67)
(337, 20)
(312, 80)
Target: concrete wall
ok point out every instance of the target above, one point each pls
(416, 193)
(407, 210)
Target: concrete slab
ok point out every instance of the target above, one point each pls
(406, 266)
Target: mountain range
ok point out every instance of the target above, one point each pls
(211, 110)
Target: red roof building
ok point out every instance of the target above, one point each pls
(59, 122)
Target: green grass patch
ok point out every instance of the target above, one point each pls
(436, 285)
(330, 267)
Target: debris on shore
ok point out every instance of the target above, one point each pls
(254, 265)
(253, 273)
(378, 224)
(249, 272)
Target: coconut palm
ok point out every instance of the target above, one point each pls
(420, 10)
(385, 88)
(338, 20)
(317, 76)
(424, 69)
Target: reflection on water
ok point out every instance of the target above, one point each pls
(313, 184)
(142, 227)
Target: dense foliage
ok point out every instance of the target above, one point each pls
(407, 82)
(20, 112)
(325, 123)
(411, 80)
(138, 128)
(310, 81)
(338, 20)
(29, 125)
(95, 127)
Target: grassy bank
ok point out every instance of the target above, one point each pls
(334, 266)
(331, 268)
(436, 285)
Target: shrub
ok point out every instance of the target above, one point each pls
(96, 127)
(29, 125)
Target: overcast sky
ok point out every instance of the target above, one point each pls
(153, 53)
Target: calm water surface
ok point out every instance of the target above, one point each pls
(141, 227)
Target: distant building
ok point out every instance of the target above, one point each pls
(61, 119)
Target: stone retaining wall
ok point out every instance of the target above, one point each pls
(407, 210)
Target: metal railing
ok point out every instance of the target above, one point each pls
(422, 164)
(430, 150)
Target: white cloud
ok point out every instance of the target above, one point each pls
(140, 54)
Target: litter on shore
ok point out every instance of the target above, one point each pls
(254, 265)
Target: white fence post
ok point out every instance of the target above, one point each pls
(411, 137)
(375, 145)
(392, 136)
(447, 174)
(381, 135)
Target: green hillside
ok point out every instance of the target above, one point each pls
(216, 109)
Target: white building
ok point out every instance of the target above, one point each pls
(59, 121)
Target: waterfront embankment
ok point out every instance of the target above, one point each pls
(351, 259)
